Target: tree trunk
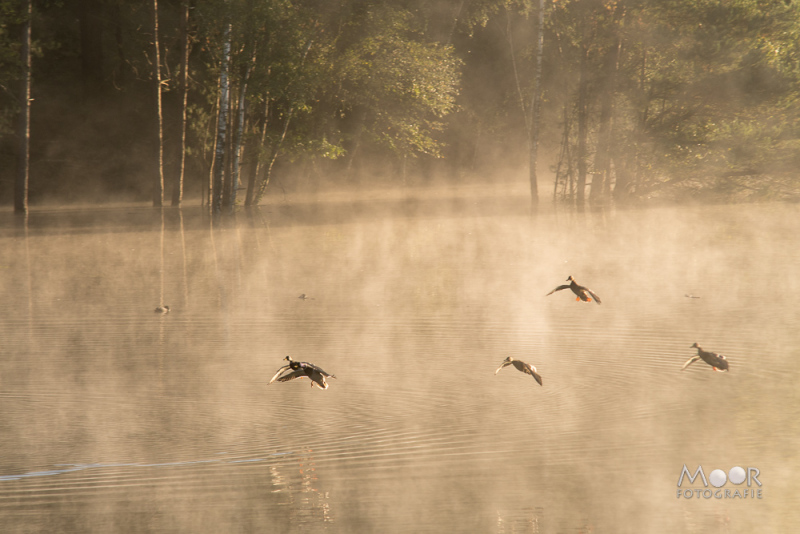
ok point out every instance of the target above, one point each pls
(627, 169)
(222, 125)
(251, 187)
(23, 158)
(583, 126)
(239, 147)
(262, 186)
(226, 179)
(177, 190)
(158, 190)
(274, 156)
(536, 105)
(601, 181)
(565, 157)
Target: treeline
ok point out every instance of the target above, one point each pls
(617, 99)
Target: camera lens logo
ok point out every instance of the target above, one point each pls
(718, 478)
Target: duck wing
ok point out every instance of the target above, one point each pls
(528, 369)
(559, 288)
(504, 364)
(690, 362)
(318, 379)
(281, 371)
(313, 367)
(592, 293)
(297, 373)
(537, 377)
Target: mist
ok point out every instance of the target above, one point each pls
(116, 418)
(391, 192)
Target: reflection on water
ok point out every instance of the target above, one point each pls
(115, 418)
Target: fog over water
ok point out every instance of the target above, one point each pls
(115, 418)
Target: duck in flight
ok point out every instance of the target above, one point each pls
(526, 368)
(717, 361)
(584, 293)
(295, 369)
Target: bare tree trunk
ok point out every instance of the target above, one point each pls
(275, 151)
(601, 182)
(222, 126)
(23, 158)
(212, 166)
(262, 186)
(158, 191)
(177, 190)
(226, 179)
(251, 187)
(239, 147)
(536, 105)
(627, 170)
(566, 155)
(583, 126)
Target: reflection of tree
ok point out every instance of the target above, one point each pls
(308, 504)
(525, 519)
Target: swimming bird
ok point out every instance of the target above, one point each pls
(717, 361)
(302, 370)
(688, 296)
(582, 292)
(162, 309)
(304, 297)
(526, 368)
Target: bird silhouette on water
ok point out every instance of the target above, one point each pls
(163, 310)
(295, 369)
(717, 361)
(526, 368)
(303, 296)
(584, 293)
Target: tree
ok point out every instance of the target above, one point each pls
(158, 191)
(536, 106)
(24, 132)
(177, 191)
(222, 122)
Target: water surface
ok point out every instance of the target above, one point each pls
(117, 419)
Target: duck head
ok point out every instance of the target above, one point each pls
(570, 279)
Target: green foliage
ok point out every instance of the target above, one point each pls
(402, 84)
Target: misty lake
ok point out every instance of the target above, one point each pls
(118, 419)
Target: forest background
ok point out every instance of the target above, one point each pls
(228, 100)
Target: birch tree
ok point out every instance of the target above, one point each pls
(23, 158)
(158, 189)
(222, 121)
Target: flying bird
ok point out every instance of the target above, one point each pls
(162, 309)
(717, 361)
(526, 368)
(582, 292)
(296, 369)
